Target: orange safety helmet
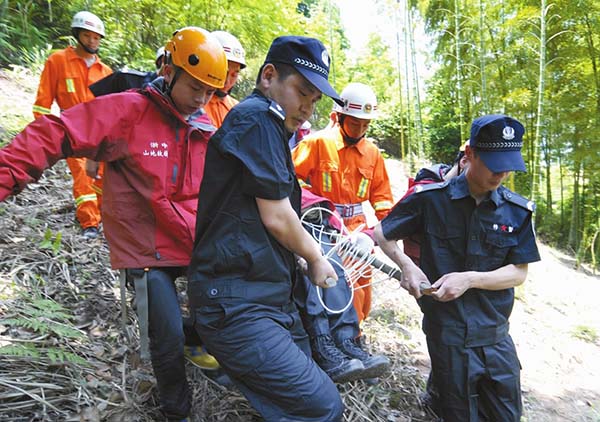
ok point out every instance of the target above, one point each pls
(200, 54)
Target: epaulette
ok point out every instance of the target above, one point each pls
(134, 72)
(431, 186)
(518, 200)
(277, 110)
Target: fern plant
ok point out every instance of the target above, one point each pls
(45, 317)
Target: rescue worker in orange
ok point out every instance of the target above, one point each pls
(341, 164)
(221, 102)
(65, 79)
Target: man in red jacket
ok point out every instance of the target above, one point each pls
(153, 142)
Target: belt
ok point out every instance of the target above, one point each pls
(349, 210)
(140, 282)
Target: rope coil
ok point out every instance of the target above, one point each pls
(356, 262)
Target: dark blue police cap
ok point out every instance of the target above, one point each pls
(498, 140)
(308, 56)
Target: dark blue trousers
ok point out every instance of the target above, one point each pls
(315, 318)
(256, 346)
(165, 330)
(476, 383)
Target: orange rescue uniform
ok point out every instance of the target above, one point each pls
(347, 175)
(66, 78)
(218, 107)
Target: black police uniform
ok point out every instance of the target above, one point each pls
(474, 361)
(240, 276)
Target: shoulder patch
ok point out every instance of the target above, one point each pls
(430, 186)
(277, 110)
(517, 199)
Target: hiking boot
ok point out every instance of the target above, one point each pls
(90, 233)
(375, 365)
(337, 365)
(200, 357)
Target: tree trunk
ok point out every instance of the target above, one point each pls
(400, 101)
(535, 174)
(417, 95)
(459, 94)
(484, 100)
(574, 226)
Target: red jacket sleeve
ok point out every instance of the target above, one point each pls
(86, 130)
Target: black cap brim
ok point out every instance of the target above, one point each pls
(501, 161)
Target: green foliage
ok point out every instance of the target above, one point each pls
(586, 333)
(499, 65)
(42, 317)
(55, 355)
(19, 30)
(20, 351)
(386, 131)
(51, 242)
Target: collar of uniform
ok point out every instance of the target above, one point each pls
(73, 55)
(361, 145)
(274, 107)
(459, 188)
(495, 197)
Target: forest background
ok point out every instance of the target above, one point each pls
(534, 60)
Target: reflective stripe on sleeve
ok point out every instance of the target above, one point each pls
(362, 188)
(326, 182)
(85, 198)
(382, 205)
(40, 109)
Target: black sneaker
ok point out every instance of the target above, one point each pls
(90, 232)
(375, 365)
(336, 364)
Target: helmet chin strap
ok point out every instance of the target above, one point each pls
(87, 49)
(347, 139)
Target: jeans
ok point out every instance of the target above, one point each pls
(166, 341)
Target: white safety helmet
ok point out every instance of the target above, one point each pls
(359, 101)
(232, 46)
(89, 21)
(160, 52)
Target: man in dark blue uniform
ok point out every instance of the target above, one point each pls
(478, 239)
(247, 232)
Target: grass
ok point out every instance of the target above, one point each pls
(585, 333)
(16, 111)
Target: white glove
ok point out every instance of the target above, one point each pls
(362, 242)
